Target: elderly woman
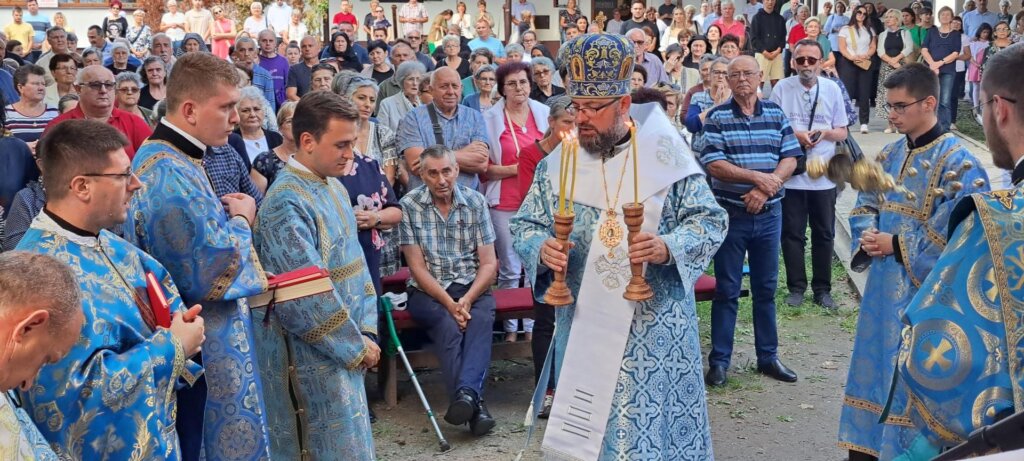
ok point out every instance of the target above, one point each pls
(91, 57)
(543, 87)
(894, 45)
(393, 108)
(251, 117)
(701, 104)
(191, 43)
(812, 27)
(369, 186)
(484, 80)
(380, 67)
(321, 77)
(114, 23)
(267, 164)
(451, 45)
(119, 53)
(341, 55)
(27, 118)
(139, 34)
(64, 69)
(154, 76)
(513, 123)
(256, 22)
(514, 52)
(128, 86)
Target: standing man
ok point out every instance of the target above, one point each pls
(246, 56)
(42, 321)
(751, 9)
(794, 5)
(768, 38)
(275, 64)
(99, 42)
(728, 24)
(639, 404)
(173, 23)
(974, 300)
(300, 75)
(518, 8)
(416, 40)
(810, 199)
(21, 31)
(637, 9)
(900, 235)
(318, 347)
(199, 20)
(116, 384)
(279, 15)
(205, 242)
(747, 176)
(973, 19)
(448, 241)
(665, 11)
(714, 15)
(655, 69)
(40, 24)
(412, 16)
(462, 130)
(345, 16)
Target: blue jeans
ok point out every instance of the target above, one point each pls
(757, 238)
(946, 99)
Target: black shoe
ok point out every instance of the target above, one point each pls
(715, 376)
(795, 299)
(462, 408)
(825, 300)
(373, 417)
(777, 370)
(482, 421)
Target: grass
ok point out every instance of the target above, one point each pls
(967, 124)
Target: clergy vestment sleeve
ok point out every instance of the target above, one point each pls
(693, 226)
(530, 228)
(209, 255)
(287, 237)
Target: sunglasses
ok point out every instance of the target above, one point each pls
(806, 61)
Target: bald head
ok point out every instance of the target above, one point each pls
(95, 86)
(446, 88)
(744, 76)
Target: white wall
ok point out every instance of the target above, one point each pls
(78, 18)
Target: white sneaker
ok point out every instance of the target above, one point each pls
(864, 129)
(398, 300)
(952, 127)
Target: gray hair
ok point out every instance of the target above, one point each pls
(20, 290)
(251, 93)
(707, 58)
(803, 8)
(542, 61)
(407, 69)
(482, 69)
(245, 39)
(436, 151)
(514, 48)
(347, 83)
(128, 77)
(449, 39)
(119, 46)
(558, 104)
(160, 36)
(727, 2)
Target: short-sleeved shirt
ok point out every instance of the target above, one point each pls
(28, 128)
(756, 142)
(40, 22)
(176, 34)
(972, 20)
(491, 43)
(199, 22)
(415, 130)
(341, 17)
(941, 45)
(134, 127)
(411, 12)
(278, 68)
(20, 32)
(449, 245)
(299, 77)
(737, 28)
(795, 100)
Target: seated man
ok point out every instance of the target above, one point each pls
(448, 242)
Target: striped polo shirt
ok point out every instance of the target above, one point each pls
(28, 128)
(755, 142)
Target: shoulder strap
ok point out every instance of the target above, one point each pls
(438, 134)
(814, 105)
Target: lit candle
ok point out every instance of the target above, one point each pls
(562, 169)
(575, 154)
(636, 180)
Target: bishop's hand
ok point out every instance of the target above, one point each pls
(648, 248)
(551, 255)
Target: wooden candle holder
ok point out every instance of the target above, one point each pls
(558, 293)
(637, 290)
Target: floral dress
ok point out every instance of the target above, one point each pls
(369, 190)
(268, 164)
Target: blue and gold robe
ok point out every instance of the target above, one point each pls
(113, 395)
(960, 360)
(310, 350)
(658, 408)
(179, 220)
(936, 175)
(20, 439)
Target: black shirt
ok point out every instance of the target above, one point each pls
(631, 24)
(539, 96)
(381, 76)
(129, 68)
(299, 77)
(893, 43)
(767, 31)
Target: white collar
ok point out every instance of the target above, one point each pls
(299, 166)
(1015, 165)
(190, 138)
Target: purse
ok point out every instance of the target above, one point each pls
(864, 64)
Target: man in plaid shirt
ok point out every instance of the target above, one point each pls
(448, 242)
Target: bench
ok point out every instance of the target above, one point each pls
(510, 303)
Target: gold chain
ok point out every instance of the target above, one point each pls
(618, 193)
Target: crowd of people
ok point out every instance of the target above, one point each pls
(202, 155)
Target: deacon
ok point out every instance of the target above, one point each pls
(956, 360)
(205, 242)
(318, 347)
(113, 395)
(901, 233)
(39, 323)
(649, 398)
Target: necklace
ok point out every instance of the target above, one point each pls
(510, 121)
(611, 232)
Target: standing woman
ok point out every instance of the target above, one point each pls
(64, 69)
(835, 22)
(341, 54)
(895, 45)
(1001, 40)
(451, 44)
(543, 70)
(438, 29)
(568, 16)
(483, 15)
(857, 43)
(369, 188)
(714, 36)
(516, 121)
(917, 33)
(154, 76)
(462, 19)
(960, 79)
(678, 24)
(139, 34)
(941, 48)
(975, 52)
(127, 96)
(698, 47)
(114, 23)
(812, 27)
(256, 22)
(223, 32)
(251, 115)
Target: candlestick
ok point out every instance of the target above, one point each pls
(637, 289)
(558, 293)
(636, 180)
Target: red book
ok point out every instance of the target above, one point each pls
(296, 284)
(158, 301)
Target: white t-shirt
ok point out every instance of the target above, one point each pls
(862, 43)
(795, 101)
(254, 26)
(176, 34)
(412, 12)
(279, 17)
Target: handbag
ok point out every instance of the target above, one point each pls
(864, 64)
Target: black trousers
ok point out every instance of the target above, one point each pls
(858, 84)
(959, 84)
(800, 207)
(543, 334)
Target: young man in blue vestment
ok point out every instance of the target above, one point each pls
(317, 349)
(900, 233)
(113, 395)
(205, 242)
(958, 358)
(39, 324)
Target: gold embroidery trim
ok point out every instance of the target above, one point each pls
(340, 274)
(369, 289)
(907, 258)
(872, 407)
(863, 211)
(854, 447)
(223, 281)
(931, 422)
(321, 231)
(925, 212)
(321, 331)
